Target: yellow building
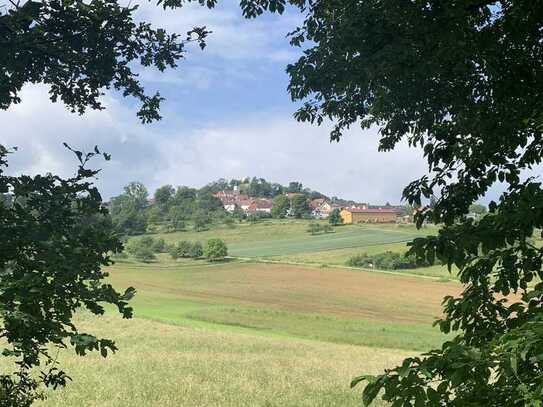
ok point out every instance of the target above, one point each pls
(368, 215)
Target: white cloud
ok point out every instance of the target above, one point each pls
(237, 48)
(274, 147)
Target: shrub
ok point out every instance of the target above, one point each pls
(141, 248)
(159, 246)
(186, 249)
(387, 261)
(314, 228)
(335, 217)
(144, 254)
(196, 250)
(215, 249)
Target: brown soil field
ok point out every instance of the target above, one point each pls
(328, 291)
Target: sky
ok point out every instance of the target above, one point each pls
(227, 114)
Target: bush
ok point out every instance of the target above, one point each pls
(335, 217)
(186, 249)
(144, 254)
(159, 246)
(215, 249)
(196, 250)
(141, 248)
(387, 261)
(314, 228)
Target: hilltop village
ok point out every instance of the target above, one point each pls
(318, 208)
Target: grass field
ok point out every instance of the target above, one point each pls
(288, 241)
(263, 330)
(161, 365)
(360, 308)
(251, 334)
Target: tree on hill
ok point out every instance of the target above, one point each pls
(201, 220)
(294, 187)
(163, 196)
(176, 216)
(335, 218)
(128, 209)
(209, 203)
(281, 205)
(478, 209)
(215, 249)
(299, 206)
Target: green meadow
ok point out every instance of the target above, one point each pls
(287, 241)
(282, 323)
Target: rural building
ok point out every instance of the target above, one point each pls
(368, 215)
(320, 208)
(260, 205)
(245, 204)
(231, 198)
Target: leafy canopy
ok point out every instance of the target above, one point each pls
(463, 80)
(215, 249)
(56, 237)
(81, 48)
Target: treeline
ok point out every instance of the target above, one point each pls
(259, 187)
(145, 249)
(135, 211)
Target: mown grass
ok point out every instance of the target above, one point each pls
(161, 365)
(288, 241)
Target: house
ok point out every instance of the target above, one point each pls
(368, 215)
(244, 204)
(231, 198)
(320, 208)
(260, 205)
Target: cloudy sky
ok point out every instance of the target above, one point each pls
(227, 114)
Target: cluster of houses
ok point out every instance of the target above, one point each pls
(232, 198)
(320, 208)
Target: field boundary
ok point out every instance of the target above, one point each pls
(337, 266)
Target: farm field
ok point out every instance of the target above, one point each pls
(163, 365)
(251, 334)
(253, 331)
(288, 241)
(334, 305)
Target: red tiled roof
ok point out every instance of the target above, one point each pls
(315, 203)
(263, 203)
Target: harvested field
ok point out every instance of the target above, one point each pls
(278, 298)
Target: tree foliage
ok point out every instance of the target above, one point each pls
(80, 48)
(463, 80)
(299, 206)
(127, 210)
(281, 205)
(335, 218)
(55, 239)
(215, 249)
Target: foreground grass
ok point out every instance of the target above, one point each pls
(165, 365)
(333, 305)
